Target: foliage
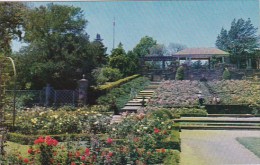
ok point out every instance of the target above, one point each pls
(12, 19)
(137, 140)
(180, 73)
(120, 60)
(59, 51)
(143, 47)
(240, 40)
(237, 92)
(106, 74)
(47, 121)
(158, 50)
(175, 47)
(226, 74)
(122, 93)
(189, 112)
(177, 94)
(115, 84)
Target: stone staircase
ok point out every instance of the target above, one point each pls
(220, 122)
(135, 104)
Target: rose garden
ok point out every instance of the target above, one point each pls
(65, 101)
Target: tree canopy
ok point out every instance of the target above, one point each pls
(59, 50)
(144, 46)
(240, 40)
(11, 21)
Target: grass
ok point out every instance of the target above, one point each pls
(251, 143)
(12, 147)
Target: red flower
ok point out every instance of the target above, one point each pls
(30, 151)
(25, 160)
(163, 150)
(156, 130)
(136, 139)
(87, 152)
(77, 154)
(73, 163)
(109, 141)
(39, 140)
(110, 154)
(83, 158)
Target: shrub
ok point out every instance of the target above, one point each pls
(190, 112)
(122, 93)
(106, 74)
(226, 75)
(180, 73)
(173, 158)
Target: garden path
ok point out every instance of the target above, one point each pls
(214, 147)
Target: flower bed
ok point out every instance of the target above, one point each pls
(41, 121)
(237, 92)
(140, 139)
(177, 94)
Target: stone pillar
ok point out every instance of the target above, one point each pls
(83, 86)
(48, 95)
(223, 60)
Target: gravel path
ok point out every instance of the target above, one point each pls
(215, 147)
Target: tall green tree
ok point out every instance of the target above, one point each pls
(240, 40)
(59, 50)
(144, 46)
(11, 22)
(122, 61)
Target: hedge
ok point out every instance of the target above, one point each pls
(95, 92)
(228, 109)
(29, 139)
(173, 158)
(115, 84)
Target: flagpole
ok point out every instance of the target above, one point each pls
(114, 24)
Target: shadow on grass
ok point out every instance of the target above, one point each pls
(251, 143)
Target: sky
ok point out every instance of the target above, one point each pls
(194, 23)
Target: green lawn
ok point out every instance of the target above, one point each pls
(251, 143)
(11, 147)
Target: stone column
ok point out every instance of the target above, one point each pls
(83, 86)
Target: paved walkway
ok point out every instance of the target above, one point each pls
(216, 147)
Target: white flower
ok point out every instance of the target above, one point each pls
(113, 129)
(138, 130)
(145, 128)
(162, 122)
(96, 122)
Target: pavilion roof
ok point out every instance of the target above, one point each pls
(201, 52)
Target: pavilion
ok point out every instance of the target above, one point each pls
(189, 54)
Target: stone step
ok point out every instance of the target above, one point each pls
(221, 128)
(130, 109)
(234, 120)
(230, 115)
(133, 104)
(147, 91)
(116, 119)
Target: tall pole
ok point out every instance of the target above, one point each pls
(114, 24)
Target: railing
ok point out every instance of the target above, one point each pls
(28, 98)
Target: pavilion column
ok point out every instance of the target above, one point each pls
(163, 64)
(223, 59)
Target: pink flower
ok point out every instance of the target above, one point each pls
(109, 141)
(156, 130)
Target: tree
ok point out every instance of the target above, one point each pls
(158, 49)
(59, 51)
(144, 46)
(240, 41)
(179, 73)
(11, 21)
(175, 47)
(118, 59)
